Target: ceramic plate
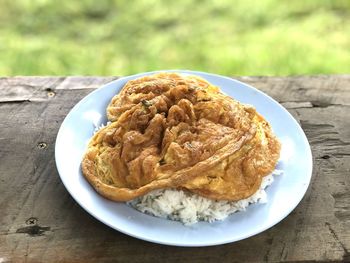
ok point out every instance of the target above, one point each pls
(283, 195)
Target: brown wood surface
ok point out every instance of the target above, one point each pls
(40, 222)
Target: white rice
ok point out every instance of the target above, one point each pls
(99, 127)
(190, 208)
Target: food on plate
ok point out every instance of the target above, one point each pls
(172, 131)
(190, 208)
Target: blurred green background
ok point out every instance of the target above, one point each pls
(107, 37)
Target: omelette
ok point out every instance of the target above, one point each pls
(177, 131)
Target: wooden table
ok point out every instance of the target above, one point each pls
(40, 222)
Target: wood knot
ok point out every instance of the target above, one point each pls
(31, 221)
(325, 157)
(50, 92)
(42, 145)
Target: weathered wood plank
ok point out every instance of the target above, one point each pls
(18, 89)
(40, 222)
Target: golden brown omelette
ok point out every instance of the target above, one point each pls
(174, 131)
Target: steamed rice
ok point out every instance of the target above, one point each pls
(190, 208)
(100, 126)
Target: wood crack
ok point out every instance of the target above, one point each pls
(322, 104)
(34, 230)
(14, 100)
(310, 104)
(266, 256)
(20, 100)
(346, 255)
(282, 256)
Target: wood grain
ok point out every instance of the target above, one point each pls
(40, 222)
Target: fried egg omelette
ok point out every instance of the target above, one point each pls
(176, 131)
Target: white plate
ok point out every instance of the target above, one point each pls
(283, 195)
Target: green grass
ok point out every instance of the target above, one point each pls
(267, 37)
